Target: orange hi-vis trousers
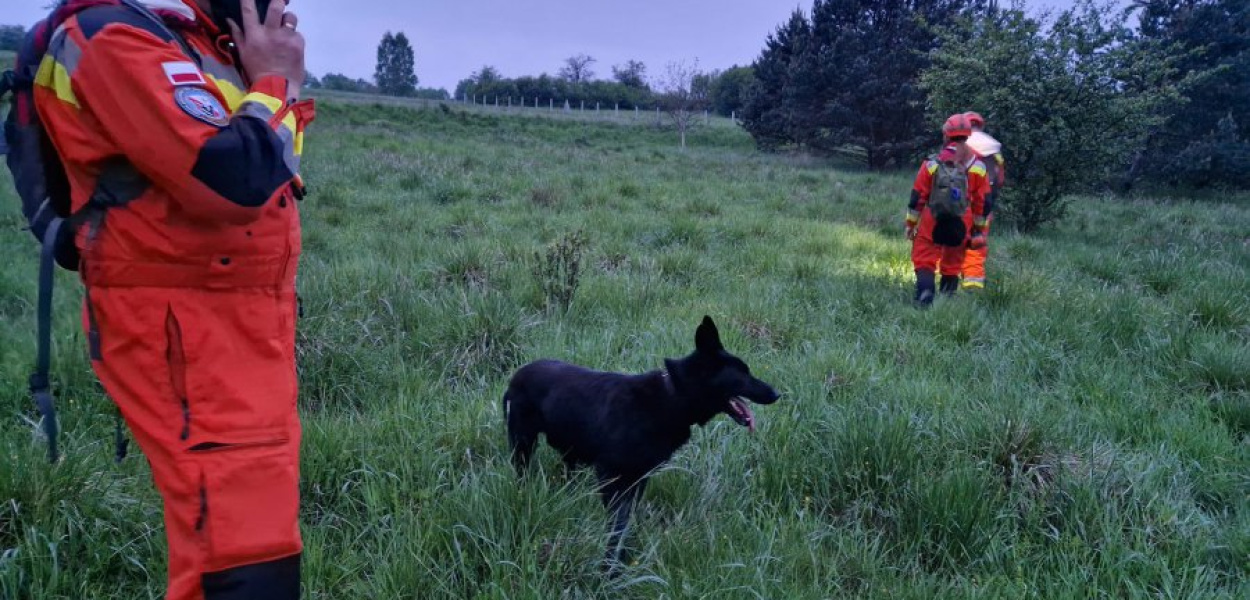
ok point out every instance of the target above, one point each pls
(929, 256)
(974, 265)
(206, 382)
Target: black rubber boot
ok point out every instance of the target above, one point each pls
(949, 285)
(925, 289)
(273, 580)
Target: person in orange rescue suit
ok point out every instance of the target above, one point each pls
(189, 266)
(989, 151)
(945, 241)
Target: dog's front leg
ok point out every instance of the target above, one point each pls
(620, 496)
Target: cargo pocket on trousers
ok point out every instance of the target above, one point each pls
(250, 501)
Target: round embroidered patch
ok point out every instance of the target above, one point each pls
(202, 104)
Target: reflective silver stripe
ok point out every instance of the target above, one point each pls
(288, 148)
(65, 50)
(255, 109)
(219, 70)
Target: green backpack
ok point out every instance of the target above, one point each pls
(950, 189)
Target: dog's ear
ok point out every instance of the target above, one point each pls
(707, 338)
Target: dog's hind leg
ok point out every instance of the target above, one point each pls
(522, 432)
(620, 496)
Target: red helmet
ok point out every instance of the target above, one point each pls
(975, 119)
(957, 126)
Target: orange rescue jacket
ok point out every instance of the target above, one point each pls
(198, 171)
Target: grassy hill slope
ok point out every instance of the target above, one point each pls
(1077, 430)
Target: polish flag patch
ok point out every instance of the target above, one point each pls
(183, 73)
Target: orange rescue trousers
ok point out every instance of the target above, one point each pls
(206, 380)
(974, 265)
(926, 255)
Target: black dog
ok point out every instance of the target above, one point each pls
(626, 425)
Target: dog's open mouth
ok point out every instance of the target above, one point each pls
(740, 413)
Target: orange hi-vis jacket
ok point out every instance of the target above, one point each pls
(996, 174)
(190, 272)
(997, 170)
(925, 253)
(202, 163)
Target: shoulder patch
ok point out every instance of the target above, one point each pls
(977, 169)
(931, 167)
(93, 20)
(203, 105)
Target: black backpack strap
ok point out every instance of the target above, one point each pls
(40, 386)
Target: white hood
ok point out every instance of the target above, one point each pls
(983, 144)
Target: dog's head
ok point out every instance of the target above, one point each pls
(716, 381)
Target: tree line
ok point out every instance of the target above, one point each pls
(394, 74)
(11, 37)
(575, 83)
(1093, 98)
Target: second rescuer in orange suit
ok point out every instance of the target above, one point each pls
(928, 248)
(974, 261)
(190, 267)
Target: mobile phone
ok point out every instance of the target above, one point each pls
(226, 10)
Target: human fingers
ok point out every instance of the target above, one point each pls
(274, 17)
(251, 17)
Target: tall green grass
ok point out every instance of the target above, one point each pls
(1077, 430)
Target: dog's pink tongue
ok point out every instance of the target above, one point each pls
(745, 412)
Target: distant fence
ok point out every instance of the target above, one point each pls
(581, 107)
(534, 107)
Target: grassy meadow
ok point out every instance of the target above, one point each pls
(1078, 430)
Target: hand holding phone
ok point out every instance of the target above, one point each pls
(268, 42)
(225, 11)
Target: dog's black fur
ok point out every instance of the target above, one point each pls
(624, 426)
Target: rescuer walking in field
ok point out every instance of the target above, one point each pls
(946, 214)
(989, 151)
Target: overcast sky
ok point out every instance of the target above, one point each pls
(453, 38)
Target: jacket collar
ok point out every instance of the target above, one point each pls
(184, 9)
(188, 14)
